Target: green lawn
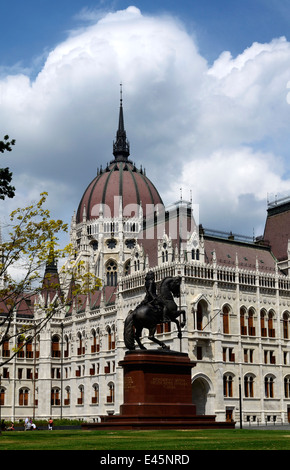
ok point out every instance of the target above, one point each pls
(146, 440)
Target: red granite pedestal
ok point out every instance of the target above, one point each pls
(157, 394)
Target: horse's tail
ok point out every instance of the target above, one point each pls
(129, 331)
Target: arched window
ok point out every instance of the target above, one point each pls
(137, 262)
(249, 386)
(287, 387)
(109, 332)
(262, 322)
(111, 394)
(111, 269)
(81, 395)
(286, 325)
(111, 338)
(66, 346)
(2, 396)
(5, 347)
(67, 397)
(95, 347)
(20, 344)
(269, 386)
(200, 313)
(55, 347)
(242, 321)
(95, 397)
(195, 254)
(29, 351)
(23, 396)
(228, 385)
(81, 348)
(251, 328)
(271, 331)
(164, 253)
(55, 396)
(127, 268)
(226, 312)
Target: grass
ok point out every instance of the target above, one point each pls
(170, 440)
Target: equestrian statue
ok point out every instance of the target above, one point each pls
(154, 309)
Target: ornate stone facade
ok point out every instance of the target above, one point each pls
(235, 291)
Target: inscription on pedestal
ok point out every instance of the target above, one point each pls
(169, 383)
(129, 383)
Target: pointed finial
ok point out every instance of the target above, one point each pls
(121, 150)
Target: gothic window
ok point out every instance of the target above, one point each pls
(109, 332)
(164, 253)
(137, 262)
(81, 395)
(271, 331)
(111, 338)
(285, 325)
(95, 397)
(195, 254)
(5, 347)
(29, 351)
(111, 268)
(112, 243)
(81, 348)
(269, 387)
(95, 346)
(20, 344)
(55, 347)
(242, 321)
(67, 396)
(287, 387)
(23, 397)
(66, 346)
(130, 243)
(262, 321)
(251, 328)
(127, 268)
(111, 394)
(228, 385)
(249, 386)
(201, 312)
(2, 396)
(55, 396)
(226, 320)
(95, 245)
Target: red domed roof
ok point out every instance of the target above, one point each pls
(121, 179)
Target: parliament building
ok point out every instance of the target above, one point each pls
(235, 290)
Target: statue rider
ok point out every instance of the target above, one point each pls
(151, 298)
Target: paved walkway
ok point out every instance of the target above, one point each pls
(270, 427)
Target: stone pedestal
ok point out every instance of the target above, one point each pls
(157, 394)
(157, 383)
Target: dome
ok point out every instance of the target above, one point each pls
(120, 181)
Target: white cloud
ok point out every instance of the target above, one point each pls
(213, 130)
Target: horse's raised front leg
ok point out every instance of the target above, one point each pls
(178, 327)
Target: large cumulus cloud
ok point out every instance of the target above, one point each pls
(219, 131)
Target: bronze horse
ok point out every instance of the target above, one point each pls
(150, 315)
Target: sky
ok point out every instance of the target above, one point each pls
(206, 95)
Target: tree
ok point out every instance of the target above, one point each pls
(32, 245)
(6, 189)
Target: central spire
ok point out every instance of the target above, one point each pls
(121, 149)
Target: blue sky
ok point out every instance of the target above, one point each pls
(33, 27)
(206, 96)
